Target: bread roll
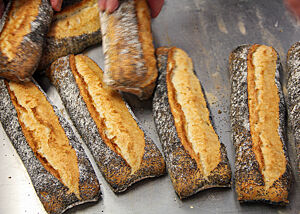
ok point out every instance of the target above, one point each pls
(123, 152)
(195, 157)
(57, 165)
(262, 169)
(22, 37)
(72, 30)
(293, 88)
(130, 64)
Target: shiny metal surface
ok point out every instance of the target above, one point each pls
(207, 30)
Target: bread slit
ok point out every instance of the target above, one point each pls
(24, 26)
(263, 101)
(72, 30)
(73, 22)
(190, 112)
(17, 26)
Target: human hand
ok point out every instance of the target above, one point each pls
(112, 5)
(294, 6)
(56, 4)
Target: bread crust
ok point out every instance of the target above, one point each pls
(250, 184)
(55, 196)
(19, 62)
(72, 30)
(130, 64)
(186, 176)
(113, 166)
(293, 88)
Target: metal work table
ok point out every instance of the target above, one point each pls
(207, 30)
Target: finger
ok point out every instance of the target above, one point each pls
(102, 5)
(293, 3)
(155, 6)
(294, 6)
(112, 5)
(56, 4)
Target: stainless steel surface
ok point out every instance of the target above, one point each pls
(207, 30)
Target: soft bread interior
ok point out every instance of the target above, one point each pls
(44, 134)
(75, 20)
(116, 125)
(18, 24)
(263, 101)
(190, 112)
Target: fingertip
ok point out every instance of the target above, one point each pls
(112, 5)
(155, 6)
(154, 14)
(56, 4)
(294, 7)
(102, 5)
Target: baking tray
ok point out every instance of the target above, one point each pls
(207, 30)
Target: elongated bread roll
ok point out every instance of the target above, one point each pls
(56, 163)
(262, 169)
(130, 64)
(195, 157)
(72, 30)
(293, 88)
(123, 152)
(22, 38)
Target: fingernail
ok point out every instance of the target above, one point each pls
(101, 5)
(112, 6)
(156, 7)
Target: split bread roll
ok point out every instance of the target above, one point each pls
(72, 30)
(123, 152)
(57, 165)
(24, 27)
(130, 64)
(293, 88)
(195, 157)
(262, 168)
